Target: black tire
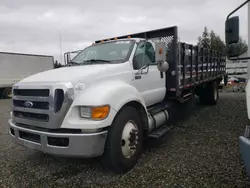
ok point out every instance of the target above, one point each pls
(7, 93)
(210, 94)
(113, 157)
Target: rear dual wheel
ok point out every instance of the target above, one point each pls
(124, 141)
(210, 94)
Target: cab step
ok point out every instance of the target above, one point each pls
(185, 97)
(161, 131)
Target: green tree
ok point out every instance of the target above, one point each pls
(241, 46)
(204, 39)
(212, 41)
(57, 64)
(216, 43)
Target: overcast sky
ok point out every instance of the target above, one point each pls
(34, 26)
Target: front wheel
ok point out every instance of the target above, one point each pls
(124, 141)
(7, 93)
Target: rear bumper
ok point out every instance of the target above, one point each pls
(74, 145)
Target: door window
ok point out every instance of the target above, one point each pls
(144, 54)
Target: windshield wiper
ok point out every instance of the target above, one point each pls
(96, 60)
(72, 63)
(89, 61)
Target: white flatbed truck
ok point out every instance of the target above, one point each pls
(113, 95)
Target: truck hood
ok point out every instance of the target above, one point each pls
(75, 73)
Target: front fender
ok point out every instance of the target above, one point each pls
(115, 93)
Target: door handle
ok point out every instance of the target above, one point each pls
(137, 77)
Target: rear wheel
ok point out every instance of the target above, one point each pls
(210, 94)
(7, 93)
(124, 141)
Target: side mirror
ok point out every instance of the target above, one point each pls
(232, 30)
(232, 34)
(67, 58)
(163, 66)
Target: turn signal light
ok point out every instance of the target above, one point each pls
(95, 112)
(100, 112)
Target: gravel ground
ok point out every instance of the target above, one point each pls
(202, 151)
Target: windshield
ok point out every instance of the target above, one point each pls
(109, 52)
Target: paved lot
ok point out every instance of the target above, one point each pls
(201, 152)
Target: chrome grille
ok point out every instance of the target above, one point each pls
(31, 116)
(32, 92)
(41, 105)
(36, 104)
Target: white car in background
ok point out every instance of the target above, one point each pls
(237, 83)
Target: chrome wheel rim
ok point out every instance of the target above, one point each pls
(129, 139)
(9, 93)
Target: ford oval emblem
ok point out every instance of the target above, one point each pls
(28, 104)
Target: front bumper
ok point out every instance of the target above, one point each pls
(71, 144)
(244, 144)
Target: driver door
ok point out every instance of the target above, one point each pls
(149, 81)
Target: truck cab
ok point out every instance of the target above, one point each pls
(132, 61)
(232, 37)
(113, 95)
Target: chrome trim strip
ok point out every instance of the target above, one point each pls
(33, 110)
(92, 144)
(30, 122)
(53, 134)
(30, 98)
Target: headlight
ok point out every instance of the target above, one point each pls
(94, 112)
(85, 112)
